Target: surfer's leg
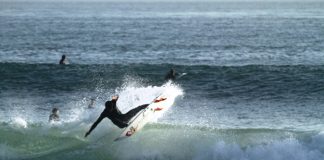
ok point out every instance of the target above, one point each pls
(120, 123)
(133, 112)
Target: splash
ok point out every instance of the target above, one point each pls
(135, 94)
(19, 122)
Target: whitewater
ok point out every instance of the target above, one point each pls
(251, 84)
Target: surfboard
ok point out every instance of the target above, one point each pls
(156, 107)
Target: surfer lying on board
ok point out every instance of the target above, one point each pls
(112, 112)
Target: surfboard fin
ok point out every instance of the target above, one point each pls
(158, 109)
(159, 100)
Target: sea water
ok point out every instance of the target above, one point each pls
(252, 89)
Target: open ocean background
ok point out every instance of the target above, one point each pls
(253, 89)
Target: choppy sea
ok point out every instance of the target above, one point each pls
(252, 85)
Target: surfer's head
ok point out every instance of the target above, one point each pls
(91, 104)
(55, 110)
(63, 61)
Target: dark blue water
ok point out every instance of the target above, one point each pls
(252, 79)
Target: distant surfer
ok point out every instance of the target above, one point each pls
(113, 113)
(63, 60)
(54, 115)
(171, 75)
(91, 104)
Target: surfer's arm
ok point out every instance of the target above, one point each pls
(94, 125)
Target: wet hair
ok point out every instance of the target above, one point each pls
(54, 110)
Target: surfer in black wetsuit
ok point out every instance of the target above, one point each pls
(63, 60)
(54, 115)
(171, 75)
(112, 112)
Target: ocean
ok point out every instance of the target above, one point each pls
(251, 84)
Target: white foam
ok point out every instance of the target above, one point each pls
(19, 122)
(134, 94)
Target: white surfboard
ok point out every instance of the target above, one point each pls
(159, 105)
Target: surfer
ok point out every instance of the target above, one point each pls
(91, 104)
(54, 115)
(63, 60)
(113, 113)
(171, 75)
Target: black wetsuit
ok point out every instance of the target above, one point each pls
(171, 75)
(112, 112)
